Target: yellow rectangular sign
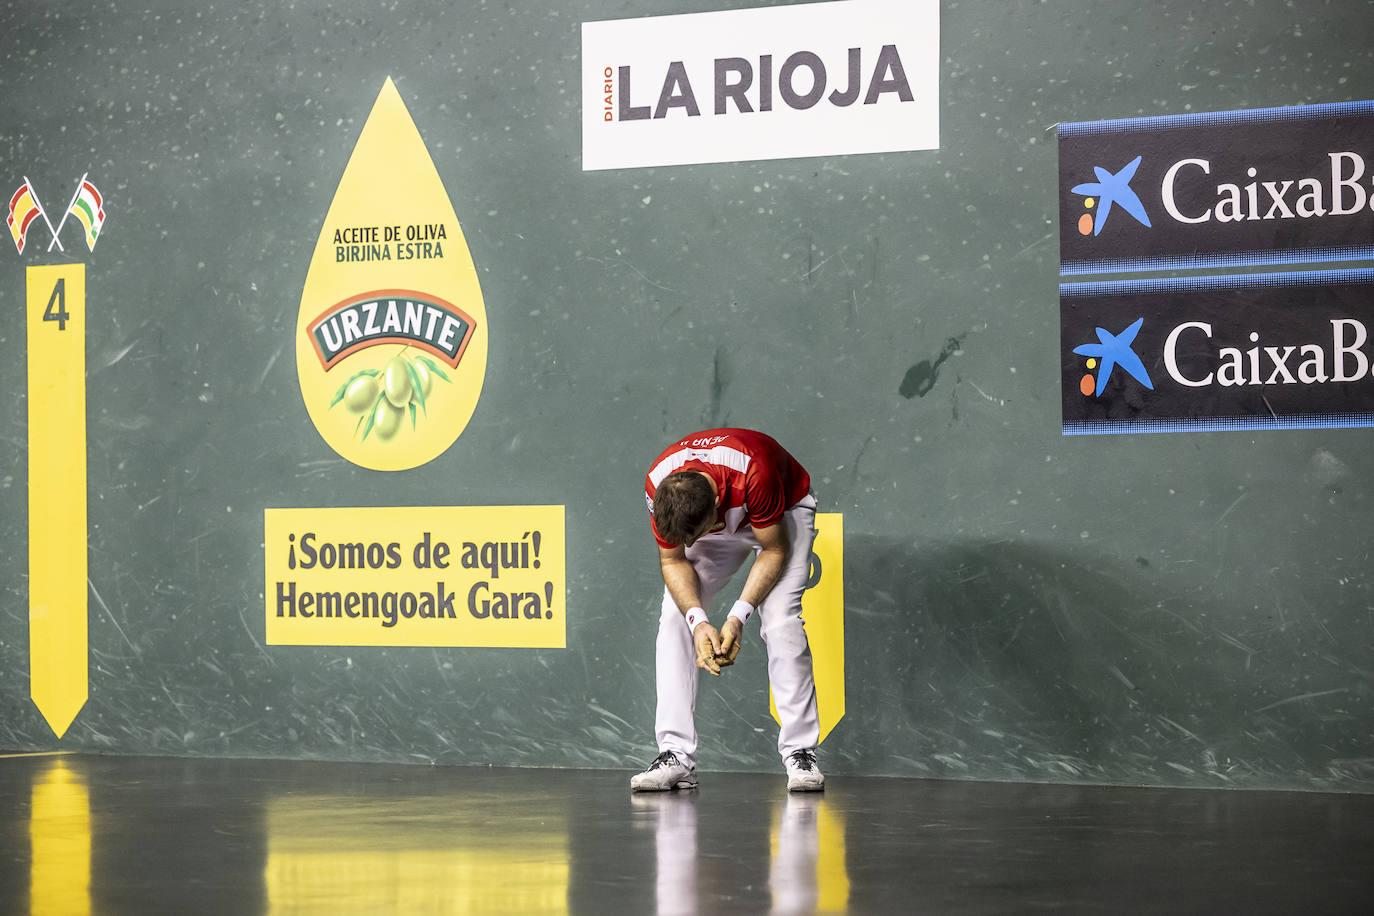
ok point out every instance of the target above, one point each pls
(58, 657)
(416, 576)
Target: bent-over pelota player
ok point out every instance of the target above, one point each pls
(715, 498)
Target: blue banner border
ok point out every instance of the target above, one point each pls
(1237, 116)
(1275, 258)
(1216, 424)
(1217, 281)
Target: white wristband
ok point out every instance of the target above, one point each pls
(742, 611)
(695, 616)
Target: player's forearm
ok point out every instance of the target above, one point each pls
(763, 575)
(682, 582)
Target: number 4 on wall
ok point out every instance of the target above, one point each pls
(57, 305)
(58, 663)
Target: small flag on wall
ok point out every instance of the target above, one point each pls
(24, 209)
(88, 207)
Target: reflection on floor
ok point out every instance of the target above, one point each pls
(93, 834)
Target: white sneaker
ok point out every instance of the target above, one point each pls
(665, 773)
(802, 773)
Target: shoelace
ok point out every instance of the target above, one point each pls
(663, 760)
(804, 760)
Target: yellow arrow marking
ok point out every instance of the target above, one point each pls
(56, 309)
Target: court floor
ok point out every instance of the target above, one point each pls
(117, 834)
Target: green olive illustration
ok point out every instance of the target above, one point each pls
(426, 379)
(386, 418)
(396, 382)
(360, 394)
(382, 397)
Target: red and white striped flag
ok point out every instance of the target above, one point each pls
(24, 209)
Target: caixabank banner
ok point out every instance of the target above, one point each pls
(1257, 190)
(1283, 350)
(1273, 186)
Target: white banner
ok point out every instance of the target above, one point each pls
(816, 79)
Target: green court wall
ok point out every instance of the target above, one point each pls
(1188, 609)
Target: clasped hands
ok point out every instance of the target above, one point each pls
(717, 649)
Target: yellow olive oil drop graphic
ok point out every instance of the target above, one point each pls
(391, 340)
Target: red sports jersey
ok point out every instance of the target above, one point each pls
(755, 477)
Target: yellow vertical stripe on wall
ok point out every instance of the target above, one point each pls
(823, 615)
(56, 312)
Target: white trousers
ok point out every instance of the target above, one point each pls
(716, 558)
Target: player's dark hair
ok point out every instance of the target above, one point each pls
(683, 502)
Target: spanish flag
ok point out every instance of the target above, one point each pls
(89, 207)
(24, 209)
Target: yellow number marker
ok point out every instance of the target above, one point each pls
(56, 298)
(823, 613)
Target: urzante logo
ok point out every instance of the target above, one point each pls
(814, 79)
(391, 316)
(1110, 351)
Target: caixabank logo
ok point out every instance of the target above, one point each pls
(1239, 188)
(1260, 351)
